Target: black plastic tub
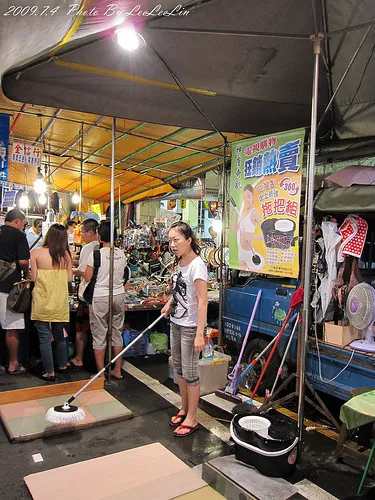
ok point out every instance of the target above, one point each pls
(272, 456)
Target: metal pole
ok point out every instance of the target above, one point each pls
(309, 240)
(81, 172)
(222, 243)
(119, 208)
(112, 247)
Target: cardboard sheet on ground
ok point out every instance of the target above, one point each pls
(142, 473)
(25, 420)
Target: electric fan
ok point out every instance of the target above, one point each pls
(360, 309)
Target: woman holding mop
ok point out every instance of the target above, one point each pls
(188, 310)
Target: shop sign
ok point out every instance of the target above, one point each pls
(183, 203)
(213, 207)
(27, 154)
(4, 143)
(9, 198)
(194, 188)
(265, 190)
(96, 208)
(171, 204)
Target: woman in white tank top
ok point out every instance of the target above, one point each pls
(244, 224)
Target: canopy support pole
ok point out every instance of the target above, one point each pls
(81, 172)
(119, 208)
(317, 39)
(112, 247)
(222, 198)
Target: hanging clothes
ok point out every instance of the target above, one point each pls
(331, 239)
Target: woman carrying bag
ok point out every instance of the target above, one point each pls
(51, 270)
(98, 265)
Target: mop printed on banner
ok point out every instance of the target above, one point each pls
(265, 195)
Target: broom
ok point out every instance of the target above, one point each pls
(68, 413)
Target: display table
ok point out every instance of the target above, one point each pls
(358, 411)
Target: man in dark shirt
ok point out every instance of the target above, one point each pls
(13, 248)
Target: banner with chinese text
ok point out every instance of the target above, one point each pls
(265, 190)
(4, 143)
(25, 153)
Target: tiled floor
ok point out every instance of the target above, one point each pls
(25, 421)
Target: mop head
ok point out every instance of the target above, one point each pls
(224, 394)
(246, 408)
(64, 414)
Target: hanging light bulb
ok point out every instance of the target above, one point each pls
(129, 39)
(24, 200)
(76, 198)
(217, 225)
(42, 199)
(39, 184)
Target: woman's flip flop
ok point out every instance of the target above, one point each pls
(177, 424)
(184, 426)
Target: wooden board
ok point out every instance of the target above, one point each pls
(47, 391)
(144, 473)
(25, 420)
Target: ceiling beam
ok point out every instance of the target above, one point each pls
(193, 141)
(17, 118)
(79, 138)
(45, 130)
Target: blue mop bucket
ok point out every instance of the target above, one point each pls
(267, 443)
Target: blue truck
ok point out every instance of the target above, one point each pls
(324, 361)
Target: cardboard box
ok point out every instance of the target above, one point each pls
(341, 335)
(144, 473)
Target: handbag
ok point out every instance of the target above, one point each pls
(6, 269)
(19, 298)
(88, 294)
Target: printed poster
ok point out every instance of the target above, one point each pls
(4, 143)
(265, 190)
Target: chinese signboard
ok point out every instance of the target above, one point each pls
(4, 143)
(265, 192)
(25, 153)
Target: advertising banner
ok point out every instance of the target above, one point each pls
(4, 143)
(265, 190)
(25, 153)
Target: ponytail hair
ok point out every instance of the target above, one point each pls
(187, 232)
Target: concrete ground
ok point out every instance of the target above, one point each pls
(150, 424)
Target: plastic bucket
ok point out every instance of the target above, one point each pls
(253, 449)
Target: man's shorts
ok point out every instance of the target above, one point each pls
(10, 320)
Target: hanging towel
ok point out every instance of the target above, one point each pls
(353, 232)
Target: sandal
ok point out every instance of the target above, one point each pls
(184, 426)
(177, 424)
(116, 377)
(72, 366)
(19, 370)
(2, 370)
(48, 378)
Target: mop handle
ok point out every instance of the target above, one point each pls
(284, 357)
(272, 353)
(114, 359)
(233, 375)
(255, 360)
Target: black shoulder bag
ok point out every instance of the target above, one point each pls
(89, 290)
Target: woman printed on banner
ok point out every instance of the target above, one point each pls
(244, 223)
